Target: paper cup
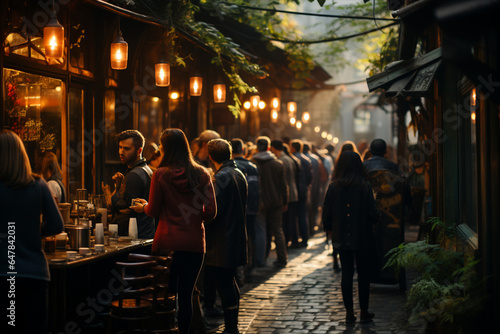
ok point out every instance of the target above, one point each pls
(113, 231)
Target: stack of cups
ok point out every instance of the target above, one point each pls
(104, 216)
(132, 228)
(99, 233)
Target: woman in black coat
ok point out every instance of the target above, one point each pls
(349, 212)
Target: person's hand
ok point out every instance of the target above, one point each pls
(139, 205)
(106, 190)
(118, 178)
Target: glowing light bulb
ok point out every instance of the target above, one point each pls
(53, 43)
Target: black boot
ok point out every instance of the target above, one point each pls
(231, 320)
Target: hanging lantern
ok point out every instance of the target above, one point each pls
(317, 129)
(162, 74)
(292, 120)
(219, 93)
(119, 53)
(291, 107)
(247, 105)
(53, 38)
(306, 117)
(275, 103)
(274, 115)
(195, 85)
(299, 125)
(262, 105)
(254, 100)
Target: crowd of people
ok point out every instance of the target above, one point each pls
(218, 207)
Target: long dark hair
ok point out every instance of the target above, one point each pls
(15, 168)
(176, 153)
(349, 170)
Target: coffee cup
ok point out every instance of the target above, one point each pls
(71, 255)
(84, 250)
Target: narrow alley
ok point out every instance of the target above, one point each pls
(305, 297)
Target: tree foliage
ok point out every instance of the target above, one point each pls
(272, 25)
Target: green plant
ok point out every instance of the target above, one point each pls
(447, 289)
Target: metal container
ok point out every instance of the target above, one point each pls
(78, 236)
(65, 209)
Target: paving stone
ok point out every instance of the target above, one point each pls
(305, 297)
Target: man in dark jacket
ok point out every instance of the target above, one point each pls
(134, 184)
(305, 179)
(226, 235)
(273, 197)
(378, 149)
(251, 173)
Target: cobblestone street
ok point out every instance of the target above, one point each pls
(305, 297)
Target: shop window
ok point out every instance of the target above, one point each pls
(33, 109)
(31, 47)
(468, 187)
(150, 118)
(362, 121)
(80, 146)
(111, 146)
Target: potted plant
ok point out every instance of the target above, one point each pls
(446, 292)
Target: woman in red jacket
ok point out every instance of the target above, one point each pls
(182, 196)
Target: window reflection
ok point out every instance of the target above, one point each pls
(33, 107)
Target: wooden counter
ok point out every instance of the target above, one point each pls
(80, 289)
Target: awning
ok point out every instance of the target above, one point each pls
(412, 77)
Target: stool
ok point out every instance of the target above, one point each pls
(131, 306)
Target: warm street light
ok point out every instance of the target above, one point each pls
(262, 105)
(247, 105)
(174, 95)
(306, 117)
(53, 38)
(195, 85)
(275, 103)
(162, 73)
(219, 93)
(119, 53)
(254, 100)
(274, 115)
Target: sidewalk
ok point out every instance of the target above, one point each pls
(305, 297)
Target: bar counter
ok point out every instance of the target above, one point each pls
(59, 260)
(80, 289)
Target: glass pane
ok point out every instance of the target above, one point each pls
(17, 44)
(111, 146)
(38, 42)
(77, 149)
(150, 112)
(471, 156)
(15, 39)
(33, 107)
